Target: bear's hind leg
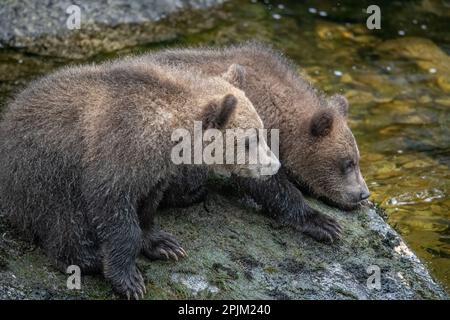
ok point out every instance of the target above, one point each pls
(91, 265)
(72, 241)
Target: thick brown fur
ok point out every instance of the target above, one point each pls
(315, 140)
(85, 158)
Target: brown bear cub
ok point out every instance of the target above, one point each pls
(86, 158)
(317, 148)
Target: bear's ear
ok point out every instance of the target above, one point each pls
(340, 103)
(235, 75)
(321, 123)
(216, 115)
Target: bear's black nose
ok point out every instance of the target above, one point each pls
(364, 195)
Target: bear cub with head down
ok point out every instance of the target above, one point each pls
(85, 158)
(319, 153)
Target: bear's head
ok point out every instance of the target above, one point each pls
(229, 115)
(325, 157)
(317, 148)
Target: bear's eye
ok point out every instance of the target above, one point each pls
(348, 166)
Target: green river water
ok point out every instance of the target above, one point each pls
(397, 80)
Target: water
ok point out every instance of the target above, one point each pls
(398, 88)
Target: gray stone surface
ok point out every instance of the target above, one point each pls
(40, 26)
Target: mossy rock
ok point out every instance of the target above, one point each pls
(235, 252)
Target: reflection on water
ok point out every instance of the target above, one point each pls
(397, 80)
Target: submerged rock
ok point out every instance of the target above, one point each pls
(414, 48)
(238, 253)
(426, 55)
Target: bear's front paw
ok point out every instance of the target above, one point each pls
(129, 284)
(160, 245)
(322, 227)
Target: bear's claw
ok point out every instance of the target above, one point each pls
(162, 245)
(130, 285)
(322, 228)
